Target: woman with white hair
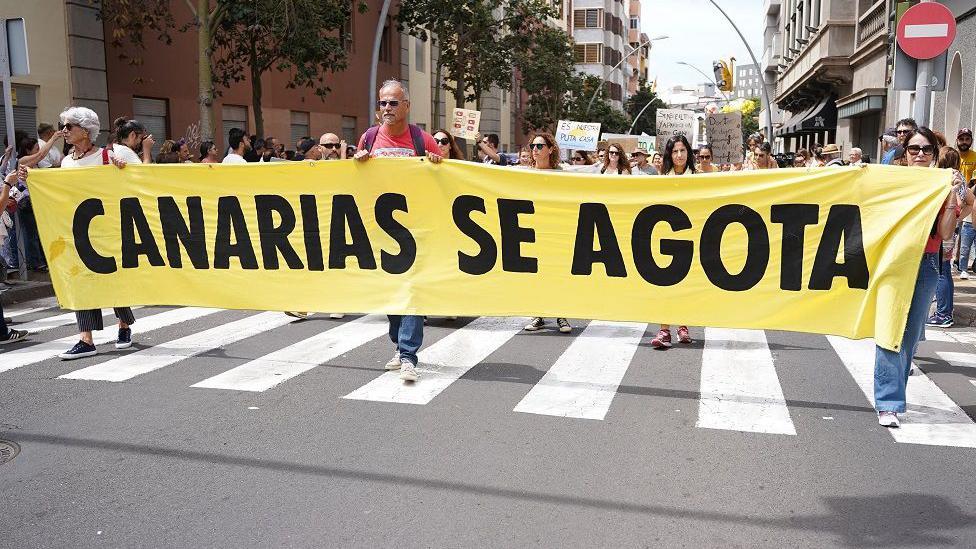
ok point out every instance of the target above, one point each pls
(81, 129)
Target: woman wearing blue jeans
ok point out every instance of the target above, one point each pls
(891, 368)
(942, 318)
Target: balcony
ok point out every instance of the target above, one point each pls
(772, 7)
(824, 61)
(872, 23)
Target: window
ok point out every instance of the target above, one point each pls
(420, 54)
(234, 117)
(588, 19)
(386, 48)
(349, 130)
(153, 115)
(635, 22)
(299, 125)
(588, 53)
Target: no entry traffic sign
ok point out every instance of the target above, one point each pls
(926, 30)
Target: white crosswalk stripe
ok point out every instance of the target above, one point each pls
(932, 417)
(443, 363)
(966, 360)
(272, 369)
(584, 380)
(23, 356)
(171, 352)
(740, 390)
(21, 312)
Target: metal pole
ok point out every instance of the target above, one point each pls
(765, 92)
(636, 118)
(624, 58)
(380, 24)
(8, 112)
(710, 79)
(923, 89)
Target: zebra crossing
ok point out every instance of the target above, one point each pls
(740, 389)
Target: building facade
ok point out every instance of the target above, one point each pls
(601, 36)
(748, 82)
(955, 108)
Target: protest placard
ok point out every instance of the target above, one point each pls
(725, 135)
(581, 136)
(672, 122)
(465, 123)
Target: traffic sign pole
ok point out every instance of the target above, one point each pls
(923, 89)
(925, 31)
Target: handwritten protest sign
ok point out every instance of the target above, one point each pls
(725, 134)
(672, 122)
(581, 136)
(465, 123)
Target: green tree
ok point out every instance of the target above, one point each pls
(635, 104)
(612, 120)
(302, 38)
(476, 38)
(545, 63)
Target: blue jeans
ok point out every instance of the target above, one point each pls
(968, 237)
(407, 332)
(943, 291)
(891, 368)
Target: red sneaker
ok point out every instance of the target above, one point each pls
(683, 335)
(662, 340)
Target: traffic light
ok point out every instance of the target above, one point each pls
(723, 74)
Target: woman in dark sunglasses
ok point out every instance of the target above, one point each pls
(448, 145)
(617, 163)
(891, 368)
(581, 158)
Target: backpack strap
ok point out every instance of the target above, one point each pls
(417, 136)
(105, 156)
(371, 137)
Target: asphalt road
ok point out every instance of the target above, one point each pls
(691, 447)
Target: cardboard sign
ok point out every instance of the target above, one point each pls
(672, 122)
(581, 136)
(465, 123)
(725, 135)
(627, 142)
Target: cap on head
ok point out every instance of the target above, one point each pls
(965, 131)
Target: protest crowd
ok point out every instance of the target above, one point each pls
(71, 143)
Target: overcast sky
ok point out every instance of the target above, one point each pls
(698, 35)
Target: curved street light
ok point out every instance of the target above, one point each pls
(624, 58)
(710, 78)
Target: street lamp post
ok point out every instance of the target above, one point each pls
(710, 79)
(624, 58)
(377, 40)
(765, 92)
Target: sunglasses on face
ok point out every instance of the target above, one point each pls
(330, 145)
(537, 146)
(69, 126)
(899, 132)
(927, 150)
(444, 141)
(705, 156)
(383, 103)
(614, 153)
(577, 159)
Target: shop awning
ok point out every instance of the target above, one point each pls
(820, 117)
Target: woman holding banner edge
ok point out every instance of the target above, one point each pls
(678, 160)
(892, 368)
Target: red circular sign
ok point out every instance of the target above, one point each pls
(926, 30)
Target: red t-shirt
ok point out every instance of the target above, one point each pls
(397, 145)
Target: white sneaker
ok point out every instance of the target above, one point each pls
(964, 275)
(888, 419)
(336, 315)
(408, 372)
(394, 363)
(297, 314)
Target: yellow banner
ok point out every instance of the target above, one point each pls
(830, 251)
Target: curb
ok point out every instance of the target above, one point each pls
(37, 287)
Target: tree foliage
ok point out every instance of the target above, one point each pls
(750, 115)
(647, 122)
(476, 38)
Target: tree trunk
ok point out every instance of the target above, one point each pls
(204, 73)
(256, 91)
(436, 110)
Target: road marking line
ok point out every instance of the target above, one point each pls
(938, 335)
(51, 322)
(268, 371)
(932, 417)
(443, 363)
(29, 355)
(933, 30)
(965, 360)
(20, 312)
(740, 390)
(585, 378)
(171, 352)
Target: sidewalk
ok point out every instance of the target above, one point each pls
(36, 286)
(964, 301)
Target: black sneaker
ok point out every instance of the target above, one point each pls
(14, 335)
(536, 324)
(80, 350)
(125, 338)
(564, 326)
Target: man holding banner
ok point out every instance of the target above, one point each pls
(396, 137)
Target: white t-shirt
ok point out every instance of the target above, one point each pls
(53, 157)
(233, 158)
(94, 159)
(126, 154)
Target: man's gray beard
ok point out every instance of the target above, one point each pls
(963, 148)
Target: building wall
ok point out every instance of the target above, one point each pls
(47, 45)
(170, 72)
(959, 99)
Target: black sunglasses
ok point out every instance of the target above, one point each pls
(615, 153)
(927, 150)
(705, 156)
(443, 141)
(899, 132)
(69, 125)
(393, 103)
(330, 145)
(577, 159)
(537, 146)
